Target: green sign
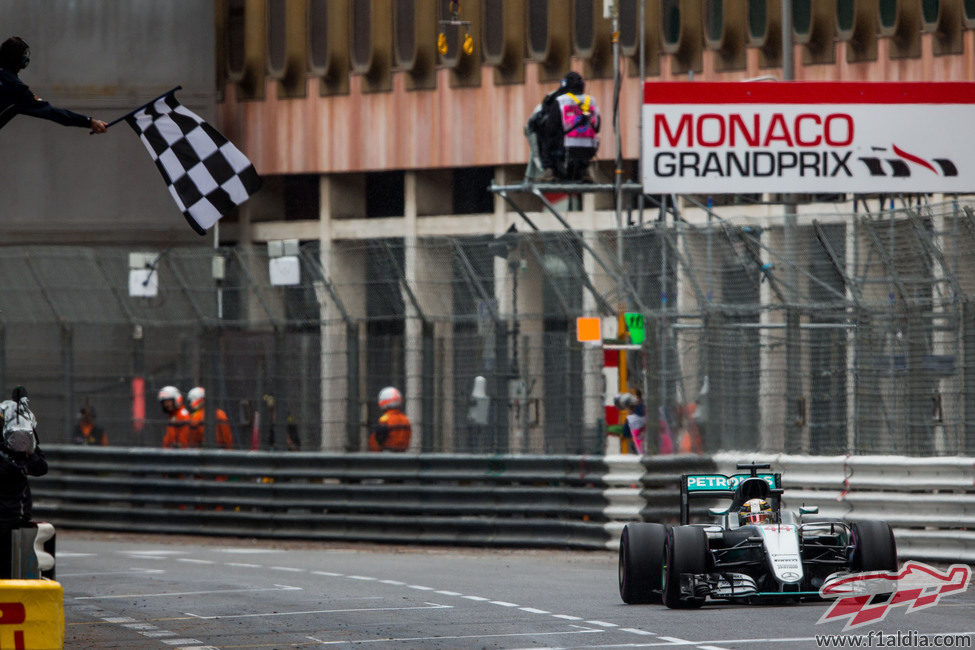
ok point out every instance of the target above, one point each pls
(709, 482)
(634, 325)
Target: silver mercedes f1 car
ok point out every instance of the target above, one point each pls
(751, 553)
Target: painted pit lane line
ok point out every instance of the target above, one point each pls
(132, 571)
(584, 630)
(191, 593)
(320, 611)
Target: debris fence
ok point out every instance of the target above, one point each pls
(852, 333)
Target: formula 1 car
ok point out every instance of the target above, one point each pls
(750, 554)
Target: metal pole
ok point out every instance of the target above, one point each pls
(219, 281)
(618, 176)
(515, 361)
(793, 342)
(788, 61)
(643, 72)
(663, 321)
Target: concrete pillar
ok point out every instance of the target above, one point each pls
(431, 280)
(497, 390)
(943, 342)
(594, 389)
(772, 362)
(413, 339)
(692, 343)
(347, 273)
(433, 287)
(850, 262)
(529, 385)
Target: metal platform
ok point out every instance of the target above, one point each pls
(567, 187)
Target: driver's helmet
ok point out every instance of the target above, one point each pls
(755, 511)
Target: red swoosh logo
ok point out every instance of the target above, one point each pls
(914, 159)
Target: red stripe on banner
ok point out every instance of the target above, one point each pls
(808, 92)
(611, 358)
(914, 159)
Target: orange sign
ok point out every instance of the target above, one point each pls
(588, 329)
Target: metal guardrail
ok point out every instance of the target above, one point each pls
(431, 498)
(529, 501)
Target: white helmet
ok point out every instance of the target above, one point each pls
(390, 398)
(171, 392)
(195, 397)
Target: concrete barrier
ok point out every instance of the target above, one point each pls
(31, 614)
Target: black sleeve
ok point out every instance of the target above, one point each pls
(37, 463)
(8, 471)
(553, 118)
(26, 103)
(382, 433)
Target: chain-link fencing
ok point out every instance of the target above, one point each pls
(851, 332)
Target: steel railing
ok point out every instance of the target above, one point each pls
(431, 498)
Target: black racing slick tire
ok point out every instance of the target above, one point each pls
(685, 551)
(640, 562)
(874, 548)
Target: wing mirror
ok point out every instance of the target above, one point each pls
(717, 512)
(808, 510)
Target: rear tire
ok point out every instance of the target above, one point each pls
(640, 562)
(874, 548)
(686, 551)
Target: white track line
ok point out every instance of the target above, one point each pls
(321, 611)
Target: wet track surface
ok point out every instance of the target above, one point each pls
(187, 592)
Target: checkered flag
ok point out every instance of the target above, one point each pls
(206, 174)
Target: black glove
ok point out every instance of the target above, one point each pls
(18, 392)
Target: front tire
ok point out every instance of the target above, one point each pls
(640, 562)
(874, 548)
(686, 551)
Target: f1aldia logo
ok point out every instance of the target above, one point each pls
(899, 167)
(917, 586)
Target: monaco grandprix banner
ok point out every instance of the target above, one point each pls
(808, 137)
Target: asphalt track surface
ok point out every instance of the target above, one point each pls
(193, 592)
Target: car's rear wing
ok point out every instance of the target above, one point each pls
(720, 486)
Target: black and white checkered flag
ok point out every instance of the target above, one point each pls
(206, 174)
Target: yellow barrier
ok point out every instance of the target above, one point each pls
(31, 614)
